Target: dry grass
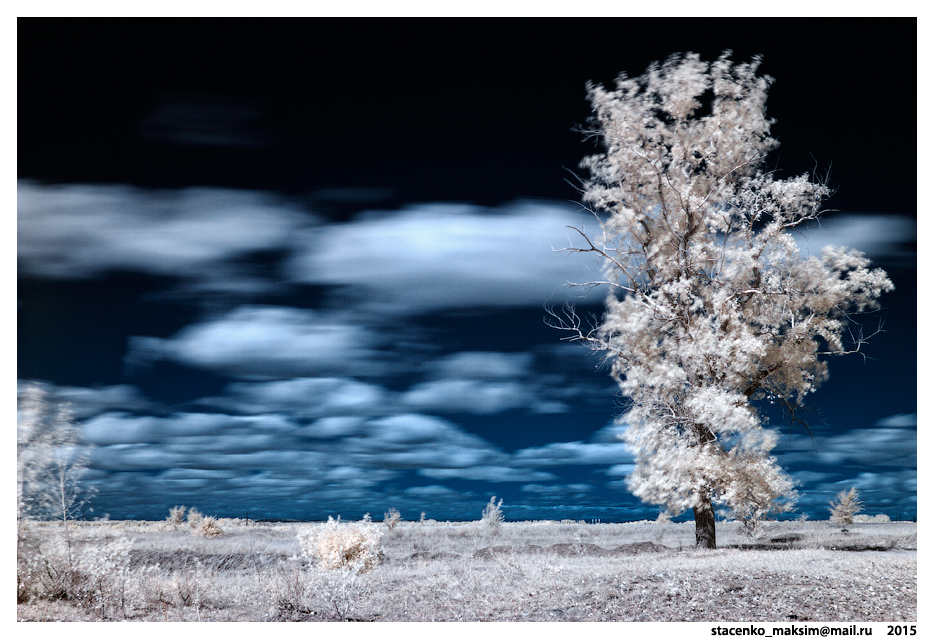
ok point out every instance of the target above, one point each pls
(794, 571)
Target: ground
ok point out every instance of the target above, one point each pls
(429, 571)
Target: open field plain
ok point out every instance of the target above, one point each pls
(532, 571)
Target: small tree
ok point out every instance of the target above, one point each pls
(847, 506)
(711, 307)
(50, 459)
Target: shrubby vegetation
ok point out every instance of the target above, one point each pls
(492, 516)
(337, 545)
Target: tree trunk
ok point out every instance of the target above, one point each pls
(704, 526)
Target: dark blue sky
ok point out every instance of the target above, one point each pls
(298, 268)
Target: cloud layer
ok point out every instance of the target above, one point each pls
(353, 402)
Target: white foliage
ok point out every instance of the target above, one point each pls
(492, 515)
(337, 545)
(712, 308)
(50, 459)
(847, 506)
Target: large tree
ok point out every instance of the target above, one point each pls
(712, 306)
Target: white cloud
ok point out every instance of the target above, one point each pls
(482, 364)
(86, 402)
(79, 231)
(878, 236)
(415, 441)
(444, 256)
(303, 397)
(490, 473)
(620, 470)
(557, 489)
(890, 445)
(565, 453)
(121, 428)
(899, 421)
(468, 396)
(430, 491)
(265, 342)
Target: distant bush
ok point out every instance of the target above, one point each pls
(391, 518)
(176, 515)
(337, 545)
(194, 517)
(208, 528)
(492, 515)
(847, 506)
(863, 518)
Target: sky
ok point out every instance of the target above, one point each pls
(293, 269)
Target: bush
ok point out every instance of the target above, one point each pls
(391, 518)
(492, 515)
(208, 528)
(337, 546)
(880, 517)
(93, 574)
(176, 515)
(194, 517)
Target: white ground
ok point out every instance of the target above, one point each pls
(792, 571)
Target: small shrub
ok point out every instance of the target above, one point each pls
(863, 518)
(104, 566)
(847, 506)
(336, 546)
(664, 518)
(176, 515)
(194, 517)
(208, 528)
(492, 515)
(391, 518)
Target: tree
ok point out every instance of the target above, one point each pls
(847, 506)
(712, 309)
(50, 459)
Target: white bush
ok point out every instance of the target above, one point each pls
(864, 518)
(208, 528)
(337, 545)
(492, 514)
(176, 515)
(392, 518)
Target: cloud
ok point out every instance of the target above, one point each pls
(877, 236)
(490, 473)
(557, 489)
(439, 256)
(414, 441)
(468, 396)
(484, 383)
(303, 397)
(482, 364)
(899, 421)
(430, 491)
(265, 342)
(871, 446)
(87, 402)
(620, 470)
(82, 231)
(576, 453)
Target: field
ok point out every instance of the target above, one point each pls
(428, 571)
